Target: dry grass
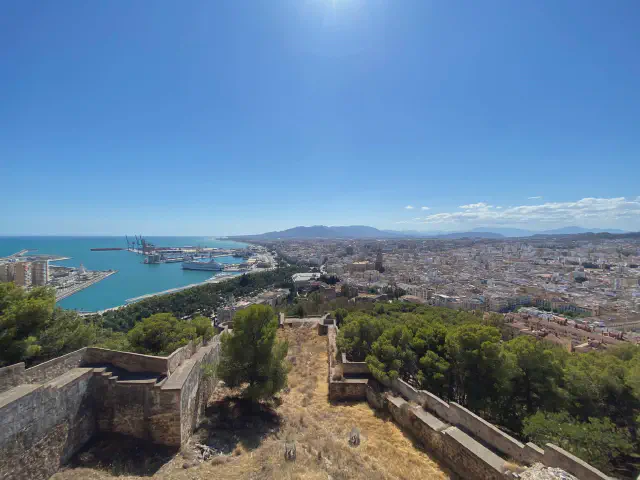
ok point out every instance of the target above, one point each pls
(320, 430)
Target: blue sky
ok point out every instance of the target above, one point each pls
(237, 117)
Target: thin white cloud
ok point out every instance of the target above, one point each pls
(534, 198)
(475, 206)
(425, 208)
(594, 211)
(409, 207)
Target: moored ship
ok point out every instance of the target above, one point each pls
(203, 264)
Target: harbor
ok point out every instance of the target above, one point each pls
(106, 272)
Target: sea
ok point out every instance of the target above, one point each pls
(134, 278)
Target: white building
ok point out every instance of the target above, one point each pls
(303, 279)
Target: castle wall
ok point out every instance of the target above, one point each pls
(42, 426)
(48, 412)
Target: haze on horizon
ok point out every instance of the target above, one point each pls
(218, 118)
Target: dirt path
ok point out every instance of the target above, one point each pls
(254, 442)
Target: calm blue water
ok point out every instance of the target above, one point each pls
(133, 279)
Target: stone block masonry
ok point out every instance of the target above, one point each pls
(11, 376)
(42, 426)
(48, 412)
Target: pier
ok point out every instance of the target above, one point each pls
(67, 292)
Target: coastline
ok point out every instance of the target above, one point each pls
(134, 277)
(216, 279)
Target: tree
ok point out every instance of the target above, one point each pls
(203, 327)
(358, 334)
(597, 441)
(22, 317)
(600, 386)
(476, 365)
(391, 356)
(340, 314)
(536, 373)
(65, 332)
(160, 334)
(428, 343)
(251, 357)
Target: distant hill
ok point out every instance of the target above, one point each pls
(472, 234)
(575, 230)
(359, 231)
(363, 231)
(322, 231)
(519, 232)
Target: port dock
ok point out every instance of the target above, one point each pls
(62, 293)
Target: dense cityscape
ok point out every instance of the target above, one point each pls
(593, 280)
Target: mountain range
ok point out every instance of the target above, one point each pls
(362, 231)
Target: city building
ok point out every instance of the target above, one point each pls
(378, 265)
(40, 272)
(301, 280)
(6, 272)
(22, 274)
(360, 266)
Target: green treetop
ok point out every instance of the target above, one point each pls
(251, 357)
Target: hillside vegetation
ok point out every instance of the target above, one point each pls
(586, 403)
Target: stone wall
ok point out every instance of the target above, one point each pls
(123, 406)
(555, 456)
(342, 389)
(53, 368)
(180, 355)
(11, 376)
(465, 456)
(480, 428)
(57, 406)
(492, 436)
(354, 368)
(197, 388)
(131, 362)
(42, 426)
(348, 389)
(457, 444)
